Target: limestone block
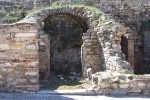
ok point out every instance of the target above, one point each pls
(9, 79)
(32, 31)
(33, 80)
(141, 85)
(9, 70)
(2, 83)
(1, 77)
(107, 91)
(124, 86)
(19, 68)
(148, 87)
(135, 90)
(42, 44)
(115, 85)
(4, 46)
(33, 88)
(17, 45)
(8, 64)
(31, 47)
(21, 80)
(89, 73)
(116, 80)
(105, 76)
(31, 73)
(85, 37)
(93, 37)
(104, 85)
(19, 35)
(14, 29)
(34, 63)
(86, 34)
(3, 69)
(29, 54)
(132, 85)
(116, 74)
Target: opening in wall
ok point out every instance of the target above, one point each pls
(124, 46)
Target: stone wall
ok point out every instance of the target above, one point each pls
(101, 45)
(44, 56)
(107, 32)
(18, 58)
(119, 83)
(91, 52)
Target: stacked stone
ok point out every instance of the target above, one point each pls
(44, 56)
(111, 48)
(101, 35)
(108, 32)
(91, 51)
(18, 58)
(117, 83)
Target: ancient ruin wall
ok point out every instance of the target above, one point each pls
(103, 28)
(18, 58)
(21, 40)
(123, 84)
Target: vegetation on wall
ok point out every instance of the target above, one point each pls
(10, 12)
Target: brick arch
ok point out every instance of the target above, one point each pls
(108, 31)
(20, 44)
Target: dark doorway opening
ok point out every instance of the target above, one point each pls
(124, 46)
(66, 40)
(65, 32)
(142, 51)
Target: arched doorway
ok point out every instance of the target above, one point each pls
(65, 32)
(124, 46)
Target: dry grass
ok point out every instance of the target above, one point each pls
(66, 84)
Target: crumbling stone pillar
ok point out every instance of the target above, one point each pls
(131, 49)
(90, 52)
(44, 56)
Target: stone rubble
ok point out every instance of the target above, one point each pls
(117, 83)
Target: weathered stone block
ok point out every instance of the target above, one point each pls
(114, 85)
(103, 85)
(31, 73)
(141, 85)
(89, 73)
(17, 45)
(4, 46)
(20, 35)
(9, 79)
(124, 86)
(33, 80)
(135, 90)
(33, 64)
